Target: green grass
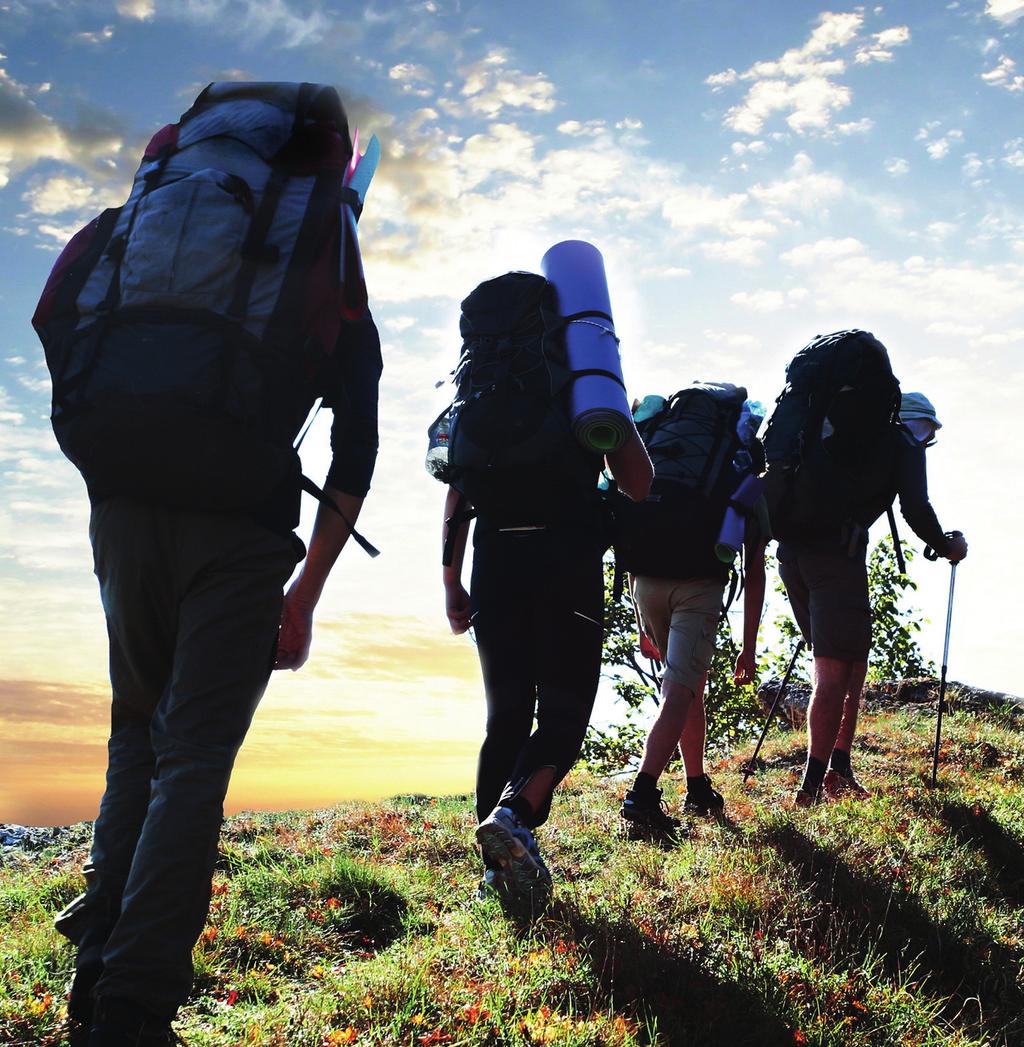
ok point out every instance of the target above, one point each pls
(893, 921)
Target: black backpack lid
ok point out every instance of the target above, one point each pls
(501, 305)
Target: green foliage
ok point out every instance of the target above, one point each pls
(895, 654)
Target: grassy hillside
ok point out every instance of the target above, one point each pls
(899, 920)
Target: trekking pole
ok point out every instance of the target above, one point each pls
(748, 768)
(897, 545)
(942, 680)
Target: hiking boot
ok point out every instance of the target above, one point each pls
(844, 786)
(77, 1031)
(123, 1023)
(509, 843)
(493, 885)
(804, 798)
(704, 799)
(647, 814)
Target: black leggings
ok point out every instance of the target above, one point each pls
(538, 604)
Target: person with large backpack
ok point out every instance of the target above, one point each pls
(536, 600)
(702, 444)
(188, 334)
(838, 456)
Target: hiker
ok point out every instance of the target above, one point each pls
(193, 508)
(536, 599)
(862, 447)
(702, 444)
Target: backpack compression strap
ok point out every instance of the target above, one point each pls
(554, 323)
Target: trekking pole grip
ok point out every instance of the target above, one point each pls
(931, 554)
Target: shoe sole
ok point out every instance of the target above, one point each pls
(525, 879)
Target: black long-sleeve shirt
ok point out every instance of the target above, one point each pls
(904, 474)
(353, 397)
(349, 387)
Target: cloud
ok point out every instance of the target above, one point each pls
(95, 141)
(281, 23)
(490, 86)
(801, 86)
(1005, 75)
(803, 189)
(1014, 156)
(813, 254)
(897, 166)
(59, 194)
(1005, 11)
(98, 36)
(843, 275)
(744, 250)
(575, 129)
(414, 79)
(938, 145)
(142, 10)
(879, 49)
(760, 301)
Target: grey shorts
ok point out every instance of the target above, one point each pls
(681, 617)
(829, 596)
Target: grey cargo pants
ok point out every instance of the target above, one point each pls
(193, 605)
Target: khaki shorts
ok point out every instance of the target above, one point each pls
(681, 617)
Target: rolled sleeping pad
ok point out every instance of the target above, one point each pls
(599, 411)
(730, 537)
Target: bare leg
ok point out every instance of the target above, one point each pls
(832, 678)
(851, 706)
(691, 741)
(676, 701)
(537, 790)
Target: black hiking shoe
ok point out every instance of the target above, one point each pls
(77, 1031)
(124, 1023)
(645, 814)
(704, 799)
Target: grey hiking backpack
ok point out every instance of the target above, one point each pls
(693, 442)
(187, 331)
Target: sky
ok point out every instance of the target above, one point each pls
(754, 173)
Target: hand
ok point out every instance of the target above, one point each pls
(296, 633)
(957, 548)
(746, 667)
(456, 606)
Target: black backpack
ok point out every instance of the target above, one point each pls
(693, 442)
(510, 446)
(827, 434)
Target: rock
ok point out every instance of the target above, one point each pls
(793, 706)
(16, 840)
(922, 691)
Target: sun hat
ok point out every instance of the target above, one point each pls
(918, 414)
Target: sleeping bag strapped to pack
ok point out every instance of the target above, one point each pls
(828, 430)
(185, 331)
(693, 442)
(510, 447)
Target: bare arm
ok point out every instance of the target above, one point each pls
(330, 533)
(753, 605)
(456, 598)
